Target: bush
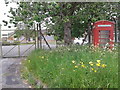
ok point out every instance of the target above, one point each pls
(74, 67)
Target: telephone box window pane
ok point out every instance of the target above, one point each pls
(104, 34)
(104, 31)
(104, 37)
(104, 40)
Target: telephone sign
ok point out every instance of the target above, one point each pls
(104, 25)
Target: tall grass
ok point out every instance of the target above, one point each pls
(74, 67)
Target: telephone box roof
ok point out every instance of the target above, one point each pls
(104, 21)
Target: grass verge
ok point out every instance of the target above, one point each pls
(73, 67)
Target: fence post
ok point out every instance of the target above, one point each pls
(0, 43)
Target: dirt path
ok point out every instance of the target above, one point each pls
(10, 74)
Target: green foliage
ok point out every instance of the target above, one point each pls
(60, 12)
(70, 67)
(37, 18)
(26, 33)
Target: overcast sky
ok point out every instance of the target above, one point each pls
(4, 12)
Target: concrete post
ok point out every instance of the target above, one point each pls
(0, 43)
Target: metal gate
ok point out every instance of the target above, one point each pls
(9, 47)
(23, 49)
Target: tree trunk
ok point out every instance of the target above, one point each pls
(67, 33)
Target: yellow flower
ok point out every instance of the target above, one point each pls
(73, 61)
(83, 66)
(98, 61)
(98, 64)
(29, 61)
(91, 63)
(81, 62)
(103, 65)
(76, 66)
(42, 57)
(95, 70)
(92, 68)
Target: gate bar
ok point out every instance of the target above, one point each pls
(27, 49)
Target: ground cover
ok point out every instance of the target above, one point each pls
(72, 67)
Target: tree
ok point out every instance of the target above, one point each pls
(69, 19)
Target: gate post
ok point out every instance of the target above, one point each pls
(19, 49)
(0, 43)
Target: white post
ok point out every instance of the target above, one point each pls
(0, 43)
(0, 57)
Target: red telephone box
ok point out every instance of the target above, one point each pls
(103, 33)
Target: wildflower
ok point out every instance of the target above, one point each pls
(42, 57)
(103, 65)
(30, 87)
(98, 64)
(91, 63)
(98, 61)
(73, 61)
(95, 70)
(81, 62)
(83, 66)
(76, 66)
(92, 69)
(68, 49)
(29, 61)
(73, 70)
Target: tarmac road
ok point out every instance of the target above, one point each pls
(10, 73)
(10, 67)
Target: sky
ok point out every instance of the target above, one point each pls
(4, 9)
